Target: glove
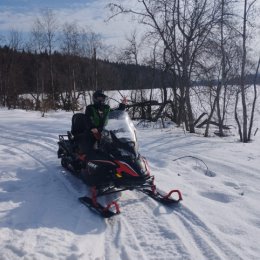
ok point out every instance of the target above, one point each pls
(96, 133)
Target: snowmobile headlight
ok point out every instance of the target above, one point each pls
(119, 175)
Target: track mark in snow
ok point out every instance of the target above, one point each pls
(9, 151)
(218, 196)
(171, 238)
(235, 186)
(44, 153)
(232, 184)
(205, 239)
(36, 231)
(141, 232)
(125, 243)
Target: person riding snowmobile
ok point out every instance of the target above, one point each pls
(116, 166)
(96, 118)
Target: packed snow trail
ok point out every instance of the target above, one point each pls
(41, 218)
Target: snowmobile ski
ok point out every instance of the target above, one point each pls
(164, 199)
(101, 210)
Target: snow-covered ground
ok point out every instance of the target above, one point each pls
(41, 217)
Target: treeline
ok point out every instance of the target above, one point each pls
(23, 72)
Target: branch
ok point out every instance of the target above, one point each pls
(119, 9)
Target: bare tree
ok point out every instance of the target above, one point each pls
(254, 102)
(130, 53)
(242, 92)
(71, 47)
(70, 42)
(37, 46)
(91, 42)
(15, 40)
(220, 60)
(9, 75)
(44, 33)
(225, 17)
(91, 48)
(182, 27)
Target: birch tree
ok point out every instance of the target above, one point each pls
(242, 122)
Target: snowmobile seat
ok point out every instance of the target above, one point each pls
(79, 124)
(80, 132)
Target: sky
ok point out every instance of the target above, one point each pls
(19, 15)
(40, 3)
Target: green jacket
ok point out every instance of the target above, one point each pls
(97, 118)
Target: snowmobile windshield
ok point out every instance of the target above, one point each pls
(121, 125)
(119, 135)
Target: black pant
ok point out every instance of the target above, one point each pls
(85, 142)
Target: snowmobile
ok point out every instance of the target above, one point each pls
(114, 166)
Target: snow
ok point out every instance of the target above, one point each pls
(41, 217)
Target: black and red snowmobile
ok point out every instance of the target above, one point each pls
(115, 166)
